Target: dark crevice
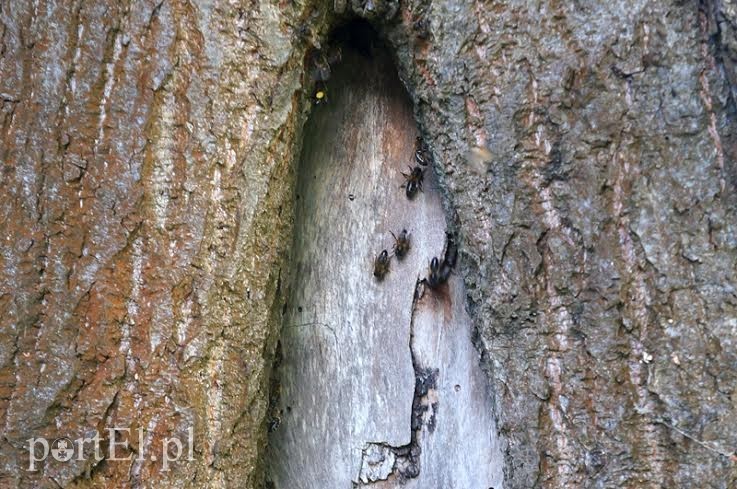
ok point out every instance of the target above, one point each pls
(407, 457)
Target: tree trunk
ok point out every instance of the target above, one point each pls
(162, 233)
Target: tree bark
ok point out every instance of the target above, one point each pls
(599, 250)
(147, 200)
(584, 155)
(378, 381)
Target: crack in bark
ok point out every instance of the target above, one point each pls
(405, 459)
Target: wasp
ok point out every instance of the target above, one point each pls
(413, 181)
(422, 153)
(381, 265)
(401, 244)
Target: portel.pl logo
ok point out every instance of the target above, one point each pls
(65, 449)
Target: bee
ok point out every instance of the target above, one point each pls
(401, 244)
(413, 181)
(422, 28)
(303, 33)
(335, 55)
(441, 270)
(274, 423)
(411, 189)
(479, 158)
(381, 265)
(422, 153)
(434, 279)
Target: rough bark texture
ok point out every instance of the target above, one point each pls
(600, 247)
(148, 188)
(146, 206)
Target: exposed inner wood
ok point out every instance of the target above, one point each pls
(374, 389)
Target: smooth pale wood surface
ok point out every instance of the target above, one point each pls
(347, 377)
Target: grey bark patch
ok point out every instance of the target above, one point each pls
(368, 375)
(347, 370)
